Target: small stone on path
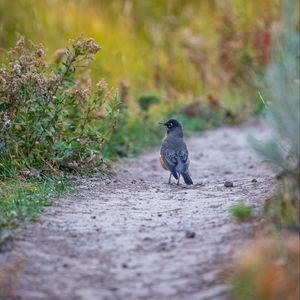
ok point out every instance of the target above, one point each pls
(228, 183)
(190, 234)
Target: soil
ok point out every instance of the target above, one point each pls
(136, 237)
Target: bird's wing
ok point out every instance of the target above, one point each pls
(183, 154)
(170, 158)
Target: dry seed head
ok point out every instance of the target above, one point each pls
(17, 69)
(20, 43)
(85, 46)
(91, 46)
(101, 85)
(81, 94)
(40, 52)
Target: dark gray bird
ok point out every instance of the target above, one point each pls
(174, 155)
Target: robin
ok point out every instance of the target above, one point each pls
(174, 153)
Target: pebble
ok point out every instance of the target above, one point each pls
(228, 183)
(190, 234)
(124, 266)
(254, 180)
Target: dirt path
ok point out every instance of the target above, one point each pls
(132, 237)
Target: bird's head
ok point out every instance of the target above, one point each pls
(173, 127)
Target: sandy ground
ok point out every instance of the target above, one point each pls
(136, 237)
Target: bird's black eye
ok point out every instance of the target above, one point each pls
(170, 125)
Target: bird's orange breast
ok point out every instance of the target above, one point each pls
(162, 163)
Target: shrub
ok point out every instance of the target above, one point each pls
(282, 109)
(49, 116)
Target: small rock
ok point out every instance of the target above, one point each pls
(190, 234)
(254, 180)
(93, 217)
(72, 166)
(159, 215)
(133, 181)
(124, 266)
(228, 183)
(107, 181)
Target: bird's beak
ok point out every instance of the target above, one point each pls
(162, 123)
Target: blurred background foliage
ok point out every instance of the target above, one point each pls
(276, 276)
(179, 50)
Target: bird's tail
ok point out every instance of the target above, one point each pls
(174, 174)
(187, 178)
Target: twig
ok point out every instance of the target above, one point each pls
(169, 210)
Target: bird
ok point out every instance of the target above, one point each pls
(174, 155)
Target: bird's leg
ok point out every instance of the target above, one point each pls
(170, 178)
(178, 178)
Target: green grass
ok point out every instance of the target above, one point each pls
(240, 211)
(22, 200)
